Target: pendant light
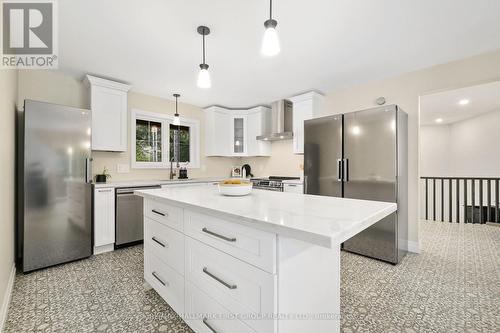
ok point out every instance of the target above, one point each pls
(203, 76)
(270, 42)
(177, 119)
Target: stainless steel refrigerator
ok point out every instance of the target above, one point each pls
(54, 222)
(363, 155)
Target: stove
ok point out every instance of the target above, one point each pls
(273, 183)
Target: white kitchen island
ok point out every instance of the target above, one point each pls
(267, 262)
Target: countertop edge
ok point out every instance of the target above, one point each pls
(305, 236)
(139, 183)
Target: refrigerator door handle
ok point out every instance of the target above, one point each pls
(345, 168)
(88, 170)
(339, 170)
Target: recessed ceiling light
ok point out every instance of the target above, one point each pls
(463, 102)
(439, 120)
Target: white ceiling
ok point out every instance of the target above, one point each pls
(325, 44)
(445, 105)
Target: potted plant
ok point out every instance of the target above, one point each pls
(103, 176)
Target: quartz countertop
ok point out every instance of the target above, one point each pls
(137, 183)
(319, 220)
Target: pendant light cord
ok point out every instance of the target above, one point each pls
(203, 48)
(270, 9)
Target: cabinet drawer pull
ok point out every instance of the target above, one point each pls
(159, 213)
(205, 321)
(160, 280)
(218, 236)
(158, 242)
(227, 285)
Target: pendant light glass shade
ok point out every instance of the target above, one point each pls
(177, 120)
(204, 78)
(270, 42)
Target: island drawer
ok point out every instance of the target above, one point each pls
(166, 214)
(248, 244)
(166, 243)
(236, 285)
(166, 281)
(205, 315)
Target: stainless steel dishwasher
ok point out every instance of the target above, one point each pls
(129, 216)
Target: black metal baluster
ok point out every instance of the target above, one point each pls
(434, 199)
(450, 183)
(480, 201)
(473, 189)
(442, 199)
(488, 197)
(465, 200)
(457, 197)
(426, 199)
(496, 201)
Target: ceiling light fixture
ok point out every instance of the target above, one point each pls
(203, 76)
(270, 42)
(463, 102)
(177, 119)
(439, 120)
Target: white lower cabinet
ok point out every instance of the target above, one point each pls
(218, 283)
(104, 219)
(205, 315)
(164, 279)
(248, 291)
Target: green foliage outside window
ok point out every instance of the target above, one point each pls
(183, 142)
(148, 141)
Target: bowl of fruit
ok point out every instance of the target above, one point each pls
(235, 187)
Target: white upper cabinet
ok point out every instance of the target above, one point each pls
(234, 132)
(108, 102)
(258, 120)
(217, 139)
(305, 106)
(239, 135)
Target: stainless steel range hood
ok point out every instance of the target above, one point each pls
(281, 122)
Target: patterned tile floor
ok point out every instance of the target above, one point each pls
(452, 286)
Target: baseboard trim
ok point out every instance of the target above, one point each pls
(413, 247)
(7, 297)
(104, 248)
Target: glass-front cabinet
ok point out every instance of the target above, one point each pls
(232, 132)
(239, 141)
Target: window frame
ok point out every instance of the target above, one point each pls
(165, 120)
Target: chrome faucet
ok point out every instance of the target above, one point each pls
(172, 173)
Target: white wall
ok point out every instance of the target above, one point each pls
(468, 148)
(434, 150)
(8, 96)
(475, 149)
